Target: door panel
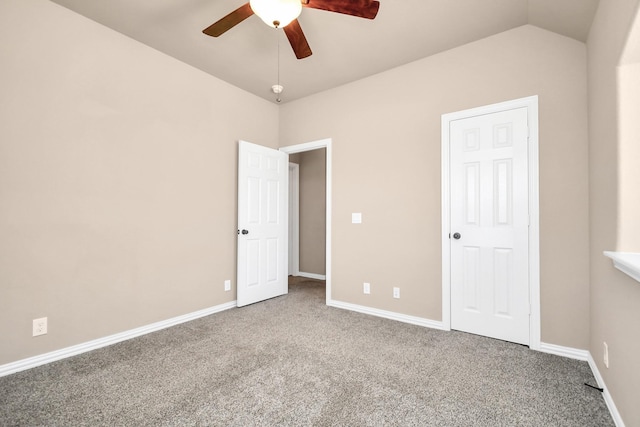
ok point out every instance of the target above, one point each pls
(263, 175)
(489, 209)
(471, 278)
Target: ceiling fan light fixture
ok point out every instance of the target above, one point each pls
(276, 13)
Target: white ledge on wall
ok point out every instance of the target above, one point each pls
(626, 262)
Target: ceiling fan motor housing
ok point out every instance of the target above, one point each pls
(284, 13)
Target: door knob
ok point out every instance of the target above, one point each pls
(456, 236)
(245, 231)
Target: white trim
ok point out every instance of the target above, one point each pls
(294, 219)
(558, 350)
(445, 205)
(627, 262)
(315, 145)
(32, 362)
(617, 419)
(307, 146)
(420, 321)
(585, 355)
(312, 275)
(531, 103)
(535, 337)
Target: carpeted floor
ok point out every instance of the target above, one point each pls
(292, 361)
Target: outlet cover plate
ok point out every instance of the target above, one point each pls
(396, 292)
(366, 288)
(39, 326)
(227, 285)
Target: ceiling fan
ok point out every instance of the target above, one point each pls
(284, 14)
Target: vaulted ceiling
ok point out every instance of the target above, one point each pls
(344, 48)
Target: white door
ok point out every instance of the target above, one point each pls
(263, 190)
(489, 225)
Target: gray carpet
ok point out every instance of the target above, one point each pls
(292, 361)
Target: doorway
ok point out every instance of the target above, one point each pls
(307, 213)
(307, 147)
(490, 261)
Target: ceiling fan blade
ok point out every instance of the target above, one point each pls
(228, 22)
(361, 8)
(297, 39)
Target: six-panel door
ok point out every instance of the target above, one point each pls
(263, 176)
(490, 214)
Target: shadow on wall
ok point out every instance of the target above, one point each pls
(628, 144)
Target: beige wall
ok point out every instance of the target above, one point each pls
(117, 180)
(386, 164)
(294, 158)
(313, 211)
(614, 183)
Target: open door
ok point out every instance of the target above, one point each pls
(263, 192)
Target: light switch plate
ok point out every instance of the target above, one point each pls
(356, 218)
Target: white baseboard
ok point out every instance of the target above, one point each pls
(558, 350)
(312, 275)
(617, 419)
(585, 355)
(32, 362)
(420, 321)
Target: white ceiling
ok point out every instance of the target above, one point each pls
(344, 48)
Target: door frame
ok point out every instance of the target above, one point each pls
(294, 218)
(309, 146)
(531, 103)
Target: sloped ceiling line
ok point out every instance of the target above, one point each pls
(344, 48)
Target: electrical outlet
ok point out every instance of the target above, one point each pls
(39, 326)
(606, 354)
(366, 288)
(227, 285)
(396, 292)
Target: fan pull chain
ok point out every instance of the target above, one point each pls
(277, 88)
